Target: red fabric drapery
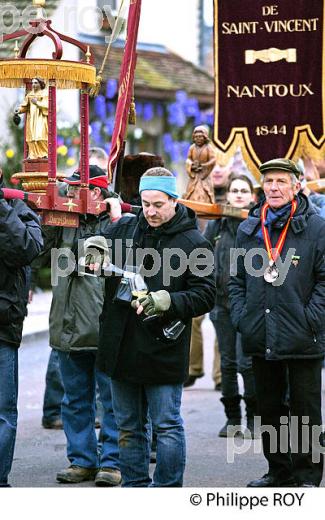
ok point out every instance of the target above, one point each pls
(125, 85)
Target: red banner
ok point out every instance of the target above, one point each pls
(270, 79)
(125, 85)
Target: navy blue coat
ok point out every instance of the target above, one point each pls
(20, 242)
(286, 321)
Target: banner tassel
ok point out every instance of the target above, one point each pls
(132, 112)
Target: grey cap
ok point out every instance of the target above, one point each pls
(285, 165)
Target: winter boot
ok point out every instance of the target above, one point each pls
(251, 431)
(232, 427)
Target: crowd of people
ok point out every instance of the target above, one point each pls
(120, 327)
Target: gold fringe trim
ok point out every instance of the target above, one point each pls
(67, 74)
(304, 144)
(35, 182)
(132, 113)
(95, 89)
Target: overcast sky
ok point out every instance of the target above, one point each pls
(208, 12)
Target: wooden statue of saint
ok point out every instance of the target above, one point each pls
(199, 163)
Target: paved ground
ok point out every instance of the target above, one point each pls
(41, 453)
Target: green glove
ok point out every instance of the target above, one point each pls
(154, 303)
(96, 251)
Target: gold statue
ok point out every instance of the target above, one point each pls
(36, 105)
(199, 163)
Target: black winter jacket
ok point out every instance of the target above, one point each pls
(285, 321)
(20, 242)
(131, 350)
(221, 233)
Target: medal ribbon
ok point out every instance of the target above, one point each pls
(280, 243)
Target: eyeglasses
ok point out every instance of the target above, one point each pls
(243, 191)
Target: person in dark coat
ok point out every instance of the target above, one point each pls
(222, 235)
(277, 295)
(74, 333)
(20, 242)
(147, 369)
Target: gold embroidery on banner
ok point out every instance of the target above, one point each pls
(270, 55)
(304, 142)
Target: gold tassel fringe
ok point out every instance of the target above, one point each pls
(95, 89)
(132, 113)
(68, 74)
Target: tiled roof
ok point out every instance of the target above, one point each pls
(7, 48)
(159, 74)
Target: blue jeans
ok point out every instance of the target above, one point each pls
(8, 408)
(79, 376)
(132, 403)
(53, 389)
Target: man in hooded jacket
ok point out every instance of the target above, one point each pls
(147, 369)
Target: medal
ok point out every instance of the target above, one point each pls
(272, 272)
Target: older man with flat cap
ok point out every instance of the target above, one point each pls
(277, 292)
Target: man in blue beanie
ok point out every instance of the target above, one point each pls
(149, 365)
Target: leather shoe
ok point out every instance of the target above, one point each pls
(272, 481)
(191, 380)
(76, 474)
(308, 484)
(231, 428)
(108, 477)
(55, 424)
